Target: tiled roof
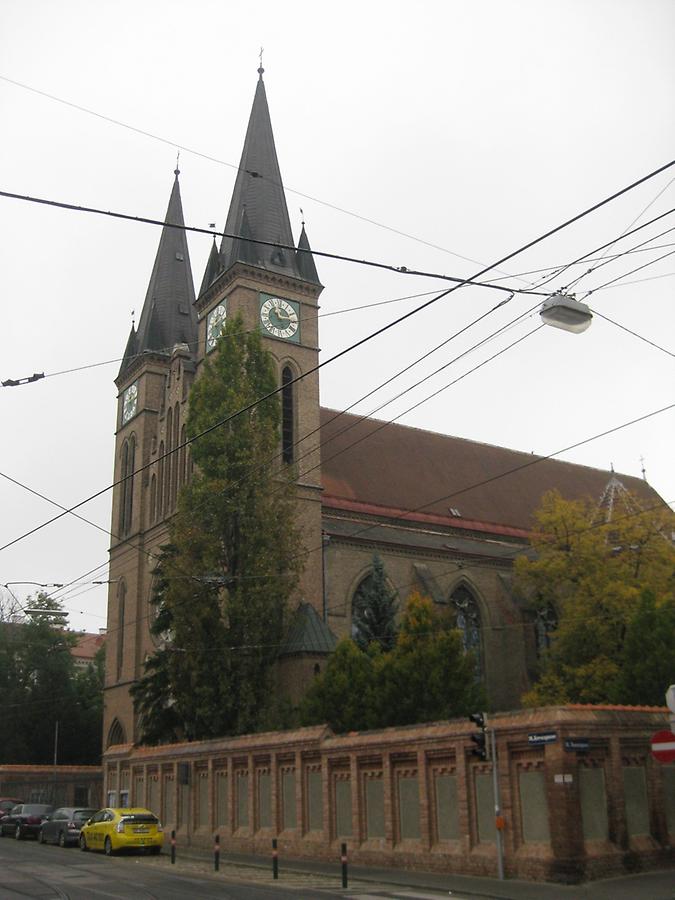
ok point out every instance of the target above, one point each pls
(366, 461)
(88, 645)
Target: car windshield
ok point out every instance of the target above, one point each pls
(140, 819)
(81, 815)
(36, 809)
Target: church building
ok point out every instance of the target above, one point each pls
(446, 515)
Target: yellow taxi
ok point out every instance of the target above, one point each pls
(111, 830)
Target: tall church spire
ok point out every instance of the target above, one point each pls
(258, 208)
(168, 315)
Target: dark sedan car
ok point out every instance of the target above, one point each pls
(7, 804)
(63, 826)
(25, 819)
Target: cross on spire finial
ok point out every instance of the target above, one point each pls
(260, 67)
(176, 171)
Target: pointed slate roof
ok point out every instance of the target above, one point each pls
(306, 263)
(258, 207)
(212, 268)
(308, 633)
(168, 315)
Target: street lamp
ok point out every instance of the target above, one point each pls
(562, 311)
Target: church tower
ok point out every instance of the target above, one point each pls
(259, 273)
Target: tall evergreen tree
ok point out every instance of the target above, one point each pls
(224, 582)
(374, 610)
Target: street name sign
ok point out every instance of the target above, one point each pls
(663, 746)
(579, 744)
(542, 737)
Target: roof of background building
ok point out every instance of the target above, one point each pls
(394, 468)
(87, 645)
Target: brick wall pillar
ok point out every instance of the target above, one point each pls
(616, 807)
(564, 805)
(425, 805)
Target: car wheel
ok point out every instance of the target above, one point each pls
(62, 839)
(83, 843)
(108, 847)
(18, 833)
(155, 851)
(41, 837)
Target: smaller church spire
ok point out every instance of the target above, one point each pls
(168, 316)
(305, 259)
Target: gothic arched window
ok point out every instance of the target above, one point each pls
(153, 498)
(175, 456)
(469, 624)
(116, 734)
(545, 623)
(160, 481)
(169, 461)
(127, 486)
(182, 459)
(287, 413)
(121, 603)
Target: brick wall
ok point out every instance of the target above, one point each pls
(417, 797)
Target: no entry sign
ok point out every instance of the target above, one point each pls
(663, 746)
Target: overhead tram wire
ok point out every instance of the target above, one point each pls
(626, 274)
(378, 331)
(490, 480)
(490, 283)
(401, 270)
(150, 555)
(237, 168)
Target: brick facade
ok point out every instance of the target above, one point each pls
(416, 797)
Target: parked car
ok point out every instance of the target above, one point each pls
(122, 829)
(62, 827)
(7, 804)
(25, 819)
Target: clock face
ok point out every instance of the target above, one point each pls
(280, 317)
(129, 402)
(215, 323)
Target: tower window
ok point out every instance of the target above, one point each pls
(121, 601)
(287, 413)
(127, 486)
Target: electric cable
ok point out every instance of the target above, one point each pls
(380, 330)
(237, 168)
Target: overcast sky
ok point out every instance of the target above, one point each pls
(436, 135)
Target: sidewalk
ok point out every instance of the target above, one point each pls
(658, 885)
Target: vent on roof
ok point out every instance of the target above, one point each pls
(455, 512)
(179, 256)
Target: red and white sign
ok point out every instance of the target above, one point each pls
(663, 746)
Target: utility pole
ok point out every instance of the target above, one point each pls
(499, 821)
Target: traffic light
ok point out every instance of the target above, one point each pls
(481, 749)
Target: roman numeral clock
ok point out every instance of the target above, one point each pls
(280, 318)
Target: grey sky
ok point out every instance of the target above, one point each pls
(474, 127)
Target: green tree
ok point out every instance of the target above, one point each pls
(374, 610)
(39, 687)
(225, 580)
(592, 573)
(341, 695)
(648, 658)
(425, 677)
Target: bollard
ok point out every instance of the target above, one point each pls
(216, 853)
(173, 847)
(343, 860)
(275, 859)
